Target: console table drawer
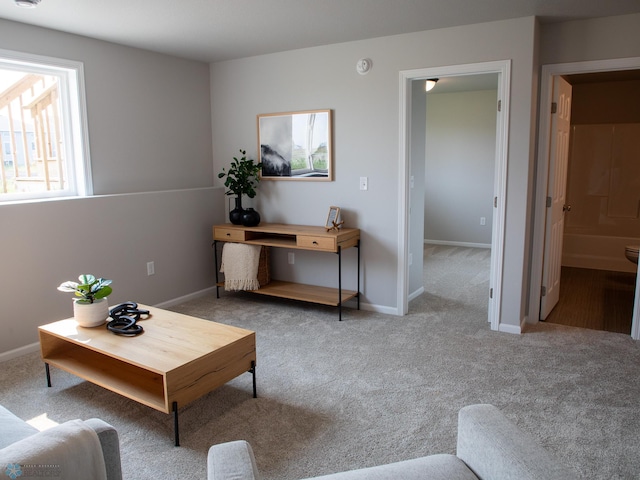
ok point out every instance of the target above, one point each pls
(231, 234)
(316, 243)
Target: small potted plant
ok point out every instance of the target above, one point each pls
(241, 179)
(90, 309)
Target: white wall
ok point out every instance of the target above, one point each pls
(150, 131)
(593, 39)
(460, 164)
(366, 134)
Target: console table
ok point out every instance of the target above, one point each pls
(301, 237)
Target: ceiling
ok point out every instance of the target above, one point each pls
(465, 83)
(216, 30)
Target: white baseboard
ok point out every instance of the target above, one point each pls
(515, 329)
(18, 352)
(369, 307)
(186, 298)
(456, 244)
(416, 294)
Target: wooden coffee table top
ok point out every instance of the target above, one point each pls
(170, 340)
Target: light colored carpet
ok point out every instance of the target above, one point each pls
(373, 388)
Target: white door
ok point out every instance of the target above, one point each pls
(556, 195)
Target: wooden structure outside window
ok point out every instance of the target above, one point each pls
(31, 156)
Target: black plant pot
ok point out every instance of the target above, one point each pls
(235, 215)
(250, 218)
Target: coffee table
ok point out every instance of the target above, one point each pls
(176, 360)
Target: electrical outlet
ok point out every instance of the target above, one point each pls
(292, 258)
(151, 268)
(364, 183)
(483, 221)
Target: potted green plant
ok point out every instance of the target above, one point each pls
(241, 179)
(90, 309)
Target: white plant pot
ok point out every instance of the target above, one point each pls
(91, 314)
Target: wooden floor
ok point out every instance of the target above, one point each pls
(595, 299)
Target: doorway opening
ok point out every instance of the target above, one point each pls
(456, 201)
(412, 238)
(579, 72)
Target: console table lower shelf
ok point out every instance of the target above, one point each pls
(305, 293)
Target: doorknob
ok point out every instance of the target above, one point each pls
(566, 208)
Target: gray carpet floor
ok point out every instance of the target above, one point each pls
(373, 388)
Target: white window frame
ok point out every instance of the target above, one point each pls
(73, 114)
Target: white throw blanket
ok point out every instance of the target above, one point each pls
(240, 266)
(70, 451)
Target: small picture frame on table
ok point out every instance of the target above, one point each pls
(333, 219)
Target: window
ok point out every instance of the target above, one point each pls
(42, 129)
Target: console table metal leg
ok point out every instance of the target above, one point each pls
(339, 283)
(215, 256)
(252, 370)
(48, 373)
(358, 295)
(175, 424)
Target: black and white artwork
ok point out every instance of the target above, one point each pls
(295, 145)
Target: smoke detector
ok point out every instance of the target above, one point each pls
(27, 3)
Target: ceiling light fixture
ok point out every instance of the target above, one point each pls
(429, 84)
(27, 3)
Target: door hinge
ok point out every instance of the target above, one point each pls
(548, 202)
(495, 202)
(543, 291)
(499, 105)
(491, 292)
(554, 107)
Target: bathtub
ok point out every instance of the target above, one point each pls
(597, 252)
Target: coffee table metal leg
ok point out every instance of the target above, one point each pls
(252, 370)
(175, 423)
(46, 369)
